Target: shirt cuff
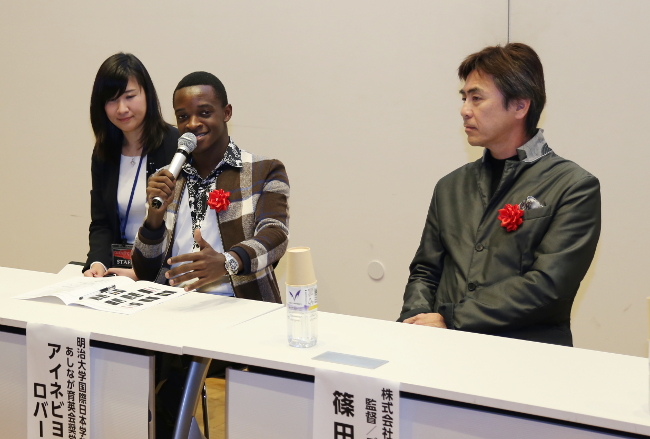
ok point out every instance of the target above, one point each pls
(152, 235)
(446, 310)
(97, 262)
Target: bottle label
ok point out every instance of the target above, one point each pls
(302, 298)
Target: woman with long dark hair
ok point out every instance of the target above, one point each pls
(132, 141)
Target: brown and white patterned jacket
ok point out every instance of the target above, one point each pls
(255, 225)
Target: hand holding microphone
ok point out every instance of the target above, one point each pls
(186, 144)
(161, 185)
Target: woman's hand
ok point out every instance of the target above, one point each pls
(128, 272)
(95, 270)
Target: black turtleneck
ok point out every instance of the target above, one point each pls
(496, 169)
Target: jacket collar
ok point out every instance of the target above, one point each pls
(534, 149)
(531, 151)
(231, 157)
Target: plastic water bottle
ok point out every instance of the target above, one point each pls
(302, 315)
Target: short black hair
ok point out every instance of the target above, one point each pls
(518, 74)
(110, 82)
(204, 78)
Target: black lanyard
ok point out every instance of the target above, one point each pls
(128, 208)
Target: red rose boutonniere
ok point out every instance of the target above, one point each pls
(510, 217)
(218, 200)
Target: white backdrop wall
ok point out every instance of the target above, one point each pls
(597, 64)
(358, 99)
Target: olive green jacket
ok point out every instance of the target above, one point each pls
(518, 284)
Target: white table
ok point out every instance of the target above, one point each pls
(458, 385)
(122, 381)
(163, 328)
(545, 383)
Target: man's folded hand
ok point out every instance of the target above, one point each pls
(432, 319)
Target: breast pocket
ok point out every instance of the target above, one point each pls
(540, 212)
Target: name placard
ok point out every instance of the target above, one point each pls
(58, 382)
(348, 406)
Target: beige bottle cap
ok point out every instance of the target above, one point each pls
(300, 268)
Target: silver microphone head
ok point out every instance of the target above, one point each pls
(188, 142)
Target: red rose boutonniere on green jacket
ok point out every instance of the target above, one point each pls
(510, 217)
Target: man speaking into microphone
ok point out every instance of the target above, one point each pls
(223, 221)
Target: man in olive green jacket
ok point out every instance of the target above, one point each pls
(508, 238)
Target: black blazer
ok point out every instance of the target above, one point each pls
(105, 221)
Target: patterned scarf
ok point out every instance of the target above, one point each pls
(198, 188)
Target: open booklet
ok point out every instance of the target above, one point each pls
(118, 294)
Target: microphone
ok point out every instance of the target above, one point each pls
(186, 144)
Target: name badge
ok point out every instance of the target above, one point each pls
(121, 255)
